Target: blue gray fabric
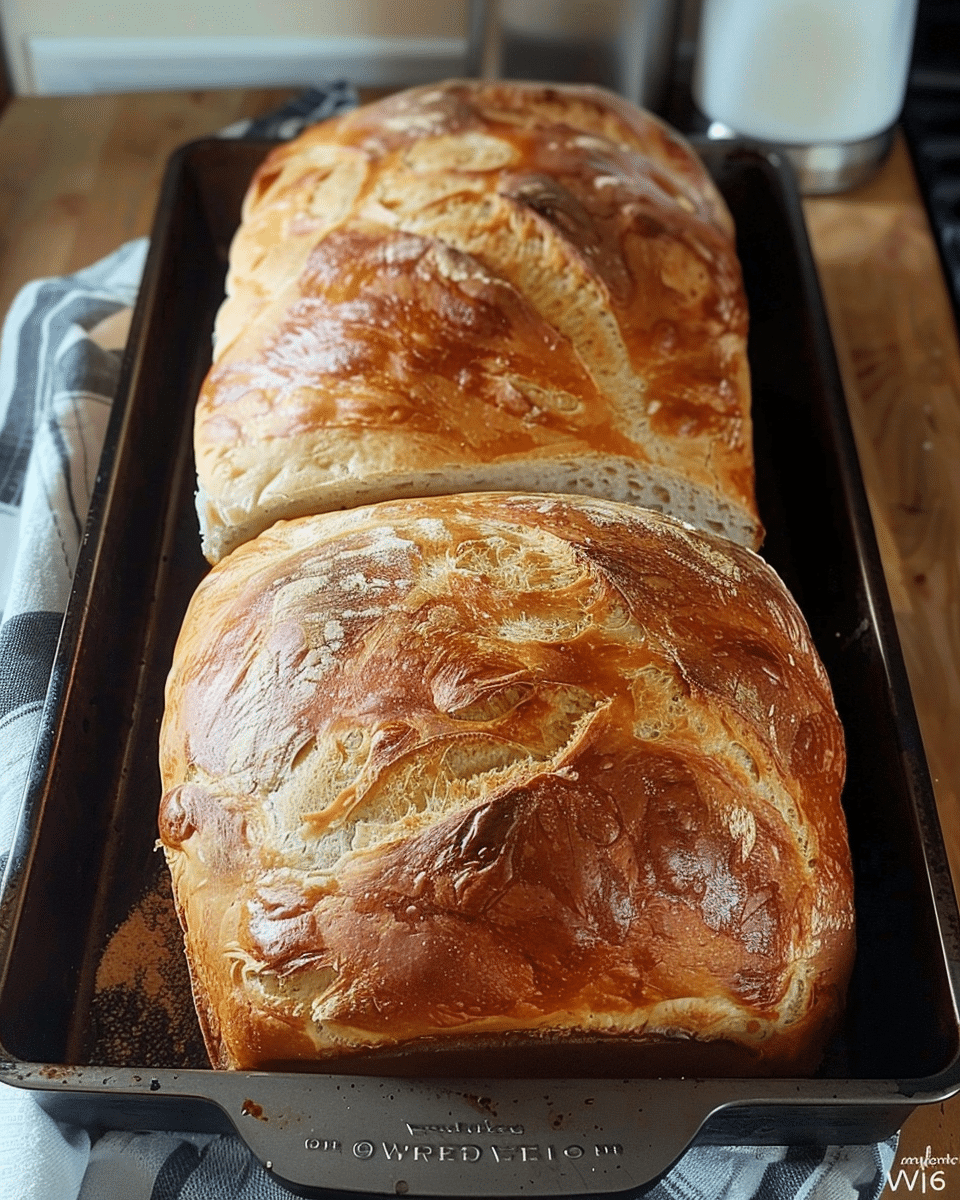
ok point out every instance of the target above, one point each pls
(307, 108)
(57, 381)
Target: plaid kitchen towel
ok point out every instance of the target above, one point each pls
(59, 363)
(57, 378)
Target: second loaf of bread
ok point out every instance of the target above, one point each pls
(479, 286)
(510, 779)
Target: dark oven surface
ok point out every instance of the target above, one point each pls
(95, 1008)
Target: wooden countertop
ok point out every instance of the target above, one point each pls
(80, 175)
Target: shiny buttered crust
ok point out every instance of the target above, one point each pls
(501, 771)
(479, 286)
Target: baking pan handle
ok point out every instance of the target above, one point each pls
(384, 1137)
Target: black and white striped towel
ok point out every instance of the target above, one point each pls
(59, 363)
(56, 387)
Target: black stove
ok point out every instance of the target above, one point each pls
(931, 123)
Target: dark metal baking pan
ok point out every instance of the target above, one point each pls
(109, 1039)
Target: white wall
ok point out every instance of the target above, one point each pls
(109, 45)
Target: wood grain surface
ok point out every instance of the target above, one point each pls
(80, 175)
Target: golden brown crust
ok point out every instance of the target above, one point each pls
(479, 286)
(502, 771)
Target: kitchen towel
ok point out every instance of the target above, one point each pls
(56, 388)
(59, 364)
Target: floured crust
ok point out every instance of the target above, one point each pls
(470, 276)
(505, 779)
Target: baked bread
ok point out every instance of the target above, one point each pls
(525, 784)
(479, 286)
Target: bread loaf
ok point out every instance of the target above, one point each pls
(479, 286)
(515, 783)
